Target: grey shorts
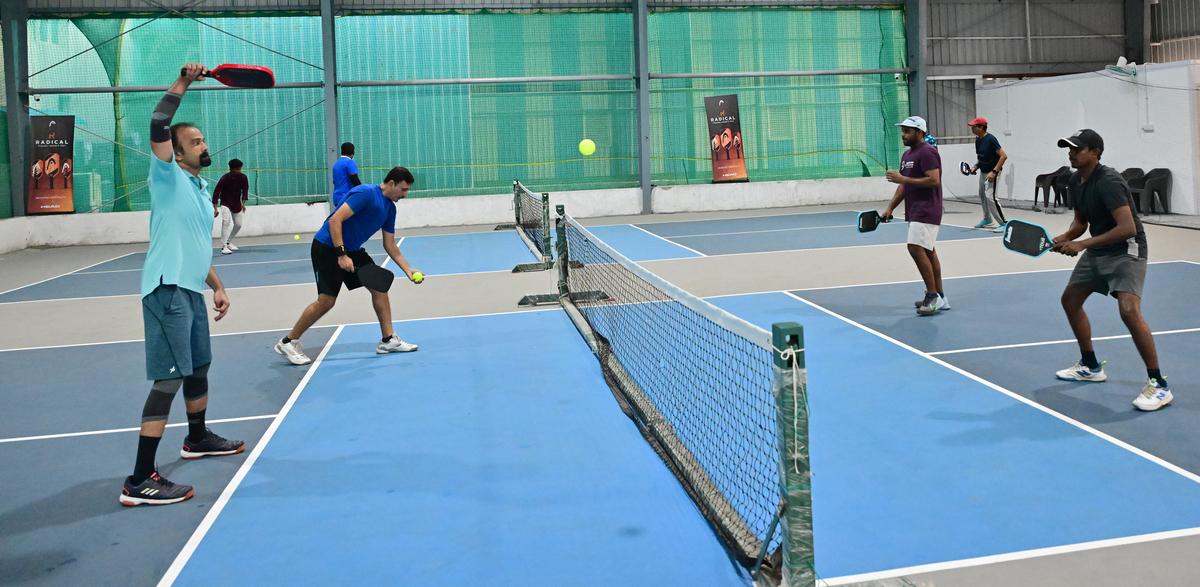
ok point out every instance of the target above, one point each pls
(1110, 274)
(176, 325)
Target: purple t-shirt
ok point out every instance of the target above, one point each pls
(921, 204)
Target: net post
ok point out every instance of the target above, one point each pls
(517, 203)
(548, 255)
(795, 475)
(561, 250)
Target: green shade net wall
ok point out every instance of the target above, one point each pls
(475, 139)
(795, 128)
(6, 204)
(278, 133)
(468, 139)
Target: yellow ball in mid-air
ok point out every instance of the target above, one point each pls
(587, 147)
(295, 237)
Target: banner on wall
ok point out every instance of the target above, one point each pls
(725, 138)
(51, 189)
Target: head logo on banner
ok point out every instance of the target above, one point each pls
(51, 190)
(725, 137)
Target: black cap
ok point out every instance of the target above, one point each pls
(1087, 138)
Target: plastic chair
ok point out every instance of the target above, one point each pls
(1156, 184)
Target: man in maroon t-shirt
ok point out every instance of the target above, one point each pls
(229, 201)
(920, 187)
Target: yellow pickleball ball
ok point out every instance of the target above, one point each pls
(587, 147)
(418, 277)
(295, 237)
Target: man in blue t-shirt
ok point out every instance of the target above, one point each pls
(174, 314)
(337, 251)
(920, 179)
(345, 175)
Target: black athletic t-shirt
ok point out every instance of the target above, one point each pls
(987, 152)
(1096, 198)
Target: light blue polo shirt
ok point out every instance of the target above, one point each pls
(181, 221)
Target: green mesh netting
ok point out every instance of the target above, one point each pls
(6, 203)
(794, 128)
(284, 162)
(474, 139)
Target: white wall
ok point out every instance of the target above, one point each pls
(779, 194)
(133, 227)
(1147, 121)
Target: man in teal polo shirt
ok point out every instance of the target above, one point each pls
(178, 265)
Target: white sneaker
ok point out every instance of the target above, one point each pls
(225, 250)
(231, 246)
(395, 345)
(942, 304)
(1078, 372)
(1153, 396)
(293, 352)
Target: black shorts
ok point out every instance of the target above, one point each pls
(330, 276)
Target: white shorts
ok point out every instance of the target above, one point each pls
(923, 235)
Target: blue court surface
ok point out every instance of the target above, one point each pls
(471, 461)
(785, 232)
(288, 264)
(479, 461)
(452, 254)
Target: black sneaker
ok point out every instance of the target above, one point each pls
(155, 490)
(211, 445)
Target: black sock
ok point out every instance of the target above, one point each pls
(1156, 375)
(286, 340)
(1089, 360)
(147, 447)
(941, 294)
(196, 426)
(387, 338)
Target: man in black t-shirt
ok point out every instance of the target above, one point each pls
(1113, 262)
(989, 160)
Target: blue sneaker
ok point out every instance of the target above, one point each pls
(1154, 395)
(1080, 372)
(985, 223)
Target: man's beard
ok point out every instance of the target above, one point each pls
(205, 160)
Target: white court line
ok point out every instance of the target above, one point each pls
(1008, 557)
(787, 251)
(217, 265)
(219, 505)
(1002, 273)
(1053, 342)
(1016, 396)
(286, 328)
(67, 273)
(665, 240)
(388, 258)
(118, 430)
(761, 231)
(765, 215)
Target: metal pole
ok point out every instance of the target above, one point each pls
(796, 73)
(329, 57)
(642, 59)
(154, 89)
(482, 80)
(16, 47)
(1028, 34)
(917, 33)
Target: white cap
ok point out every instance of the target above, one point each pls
(915, 122)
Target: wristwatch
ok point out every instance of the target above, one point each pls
(341, 250)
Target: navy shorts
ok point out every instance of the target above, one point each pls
(176, 324)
